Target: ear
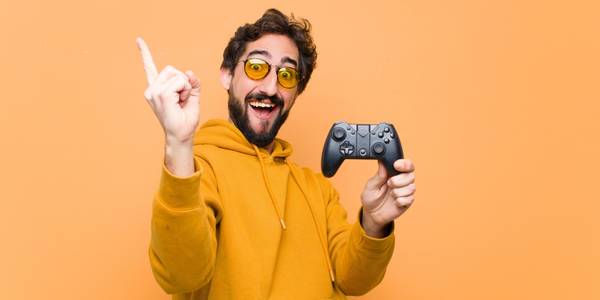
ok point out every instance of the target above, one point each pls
(226, 77)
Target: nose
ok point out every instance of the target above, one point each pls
(268, 85)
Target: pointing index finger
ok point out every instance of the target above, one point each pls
(149, 65)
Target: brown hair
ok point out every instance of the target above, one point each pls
(274, 21)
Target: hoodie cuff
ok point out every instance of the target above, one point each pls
(180, 193)
(372, 243)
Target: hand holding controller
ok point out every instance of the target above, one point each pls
(361, 141)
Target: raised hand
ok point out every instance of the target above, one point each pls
(174, 98)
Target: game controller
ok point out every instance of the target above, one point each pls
(361, 141)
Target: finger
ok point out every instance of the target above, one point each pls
(404, 165)
(149, 65)
(165, 74)
(148, 94)
(400, 180)
(153, 96)
(193, 79)
(194, 84)
(160, 81)
(187, 90)
(192, 105)
(405, 202)
(404, 191)
(173, 86)
(379, 178)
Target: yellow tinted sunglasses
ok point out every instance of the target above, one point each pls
(257, 69)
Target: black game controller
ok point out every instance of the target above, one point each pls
(361, 141)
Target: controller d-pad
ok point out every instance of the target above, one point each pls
(346, 148)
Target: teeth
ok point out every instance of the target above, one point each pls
(261, 104)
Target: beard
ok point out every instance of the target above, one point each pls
(238, 112)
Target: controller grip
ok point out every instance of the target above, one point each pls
(330, 161)
(389, 168)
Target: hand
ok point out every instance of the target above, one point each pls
(385, 199)
(174, 98)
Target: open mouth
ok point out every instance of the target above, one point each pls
(263, 110)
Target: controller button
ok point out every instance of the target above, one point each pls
(352, 132)
(349, 127)
(363, 130)
(380, 134)
(346, 148)
(362, 152)
(339, 134)
(392, 135)
(387, 129)
(378, 148)
(386, 140)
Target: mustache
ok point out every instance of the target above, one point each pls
(262, 96)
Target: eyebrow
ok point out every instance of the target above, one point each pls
(289, 60)
(268, 55)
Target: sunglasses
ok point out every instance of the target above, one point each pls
(256, 69)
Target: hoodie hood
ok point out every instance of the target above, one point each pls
(226, 135)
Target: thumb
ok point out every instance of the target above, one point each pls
(191, 88)
(194, 82)
(192, 106)
(185, 93)
(379, 179)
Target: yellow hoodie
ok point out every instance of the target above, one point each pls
(249, 224)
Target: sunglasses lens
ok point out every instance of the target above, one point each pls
(287, 77)
(256, 68)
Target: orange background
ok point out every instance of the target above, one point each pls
(496, 102)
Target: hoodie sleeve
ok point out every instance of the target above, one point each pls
(183, 239)
(359, 261)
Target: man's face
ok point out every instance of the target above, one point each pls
(250, 100)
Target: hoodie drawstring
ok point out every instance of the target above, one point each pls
(323, 244)
(269, 189)
(277, 211)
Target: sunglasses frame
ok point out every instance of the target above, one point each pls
(269, 71)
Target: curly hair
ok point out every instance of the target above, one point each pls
(274, 21)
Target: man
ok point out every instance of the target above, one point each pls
(234, 218)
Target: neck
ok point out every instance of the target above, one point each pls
(268, 147)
